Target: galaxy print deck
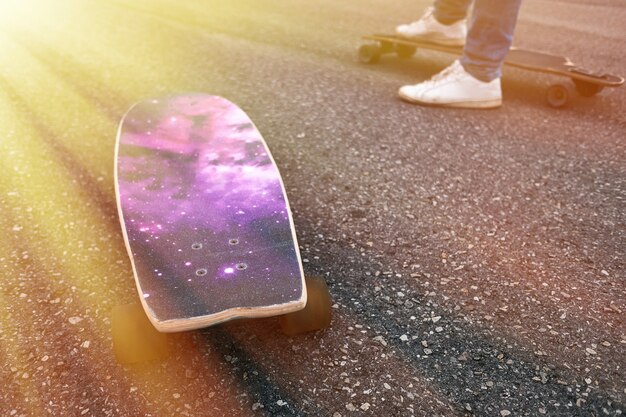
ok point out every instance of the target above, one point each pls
(204, 214)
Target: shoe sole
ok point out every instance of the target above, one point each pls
(483, 104)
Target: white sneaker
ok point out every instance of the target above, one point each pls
(428, 28)
(454, 87)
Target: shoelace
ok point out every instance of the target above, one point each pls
(451, 73)
(429, 12)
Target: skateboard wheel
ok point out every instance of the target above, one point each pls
(134, 338)
(369, 54)
(557, 95)
(315, 315)
(405, 51)
(587, 89)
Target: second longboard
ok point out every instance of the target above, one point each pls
(585, 82)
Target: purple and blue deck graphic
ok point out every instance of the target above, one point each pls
(204, 213)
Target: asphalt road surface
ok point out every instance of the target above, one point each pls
(476, 259)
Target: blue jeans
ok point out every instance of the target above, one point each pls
(489, 36)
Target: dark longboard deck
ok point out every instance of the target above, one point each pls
(520, 58)
(204, 214)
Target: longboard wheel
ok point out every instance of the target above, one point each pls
(315, 315)
(369, 53)
(134, 338)
(587, 89)
(557, 95)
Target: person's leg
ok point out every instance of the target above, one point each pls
(451, 11)
(489, 37)
(473, 80)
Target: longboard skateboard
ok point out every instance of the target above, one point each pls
(585, 82)
(206, 222)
